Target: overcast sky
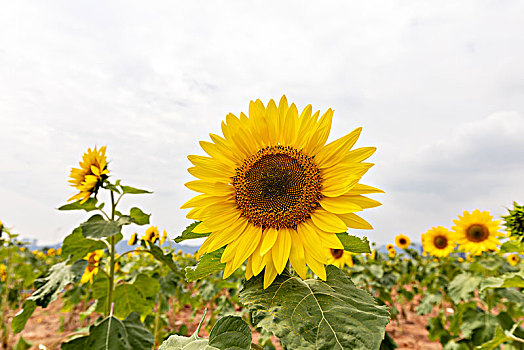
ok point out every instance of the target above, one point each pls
(437, 86)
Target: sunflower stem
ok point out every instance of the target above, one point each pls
(112, 262)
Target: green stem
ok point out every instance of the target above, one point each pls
(157, 320)
(5, 298)
(111, 284)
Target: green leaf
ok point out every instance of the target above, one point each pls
(76, 246)
(388, 343)
(22, 344)
(462, 285)
(139, 217)
(177, 342)
(354, 244)
(314, 314)
(208, 264)
(88, 205)
(515, 279)
(167, 259)
(189, 234)
(499, 338)
(132, 190)
(427, 303)
(127, 298)
(230, 332)
(512, 247)
(97, 227)
(148, 286)
(60, 275)
(113, 334)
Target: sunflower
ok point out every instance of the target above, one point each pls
(272, 190)
(3, 273)
(91, 175)
(51, 252)
(513, 259)
(390, 246)
(339, 258)
(151, 235)
(392, 253)
(163, 238)
(93, 263)
(402, 241)
(477, 232)
(438, 241)
(132, 240)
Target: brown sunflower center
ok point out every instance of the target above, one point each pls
(337, 253)
(440, 242)
(402, 241)
(277, 187)
(477, 233)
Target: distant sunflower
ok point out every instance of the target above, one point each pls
(513, 259)
(91, 175)
(402, 241)
(3, 272)
(477, 232)
(93, 263)
(392, 253)
(390, 246)
(151, 235)
(339, 258)
(438, 241)
(133, 239)
(272, 190)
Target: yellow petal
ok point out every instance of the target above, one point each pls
(203, 200)
(249, 269)
(363, 189)
(327, 221)
(317, 267)
(330, 240)
(269, 239)
(363, 202)
(211, 188)
(281, 249)
(359, 154)
(339, 205)
(311, 239)
(201, 228)
(289, 132)
(270, 272)
(296, 255)
(257, 260)
(337, 186)
(354, 221)
(228, 235)
(335, 151)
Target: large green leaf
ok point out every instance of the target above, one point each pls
(499, 338)
(354, 244)
(462, 286)
(229, 333)
(189, 234)
(148, 286)
(132, 190)
(314, 314)
(515, 279)
(167, 259)
(97, 227)
(127, 298)
(76, 246)
(60, 275)
(512, 247)
(88, 205)
(113, 334)
(209, 263)
(427, 303)
(139, 217)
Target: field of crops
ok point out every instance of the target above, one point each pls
(280, 268)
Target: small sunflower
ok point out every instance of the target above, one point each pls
(392, 253)
(1, 228)
(133, 239)
(91, 175)
(477, 232)
(3, 273)
(59, 251)
(151, 235)
(163, 238)
(339, 258)
(93, 263)
(51, 252)
(273, 191)
(402, 241)
(438, 241)
(513, 259)
(390, 246)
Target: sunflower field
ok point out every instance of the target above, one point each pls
(283, 263)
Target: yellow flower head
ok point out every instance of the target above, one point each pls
(402, 241)
(92, 173)
(164, 237)
(390, 246)
(93, 263)
(3, 273)
(23, 249)
(339, 258)
(51, 252)
(392, 253)
(477, 232)
(151, 235)
(438, 241)
(40, 255)
(59, 251)
(513, 259)
(133, 239)
(460, 259)
(272, 190)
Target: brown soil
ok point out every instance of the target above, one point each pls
(50, 327)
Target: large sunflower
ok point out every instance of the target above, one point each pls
(477, 232)
(272, 190)
(92, 173)
(438, 241)
(339, 258)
